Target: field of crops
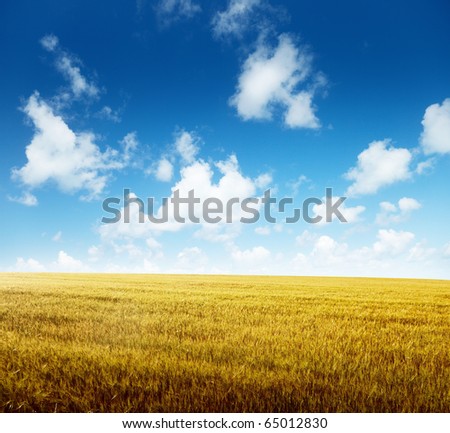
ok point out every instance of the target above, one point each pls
(170, 343)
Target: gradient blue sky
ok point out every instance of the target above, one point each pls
(295, 96)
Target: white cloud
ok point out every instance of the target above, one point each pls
(56, 153)
(130, 143)
(250, 256)
(295, 185)
(327, 251)
(69, 67)
(94, 253)
(270, 78)
(379, 165)
(164, 170)
(388, 207)
(197, 176)
(109, 114)
(391, 213)
(420, 253)
(78, 83)
(407, 204)
(57, 236)
(26, 199)
(305, 238)
(264, 231)
(232, 184)
(187, 146)
(447, 249)
(300, 112)
(435, 137)
(263, 180)
(169, 11)
(392, 242)
(49, 42)
(235, 19)
(191, 259)
(149, 266)
(68, 263)
(219, 233)
(153, 244)
(351, 214)
(426, 166)
(29, 265)
(392, 254)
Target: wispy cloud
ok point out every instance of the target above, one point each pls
(70, 68)
(108, 113)
(26, 199)
(235, 19)
(49, 42)
(57, 236)
(169, 11)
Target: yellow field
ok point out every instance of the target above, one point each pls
(134, 343)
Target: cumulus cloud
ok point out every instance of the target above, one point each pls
(94, 253)
(67, 263)
(235, 19)
(27, 199)
(129, 143)
(169, 11)
(263, 180)
(232, 183)
(250, 256)
(28, 265)
(420, 252)
(379, 165)
(391, 213)
(392, 242)
(351, 214)
(187, 146)
(435, 137)
(328, 251)
(391, 250)
(198, 176)
(305, 238)
(191, 259)
(270, 78)
(164, 170)
(219, 233)
(56, 153)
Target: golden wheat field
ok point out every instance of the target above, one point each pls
(171, 343)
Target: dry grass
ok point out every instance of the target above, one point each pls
(134, 343)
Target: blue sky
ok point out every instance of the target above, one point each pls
(227, 98)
